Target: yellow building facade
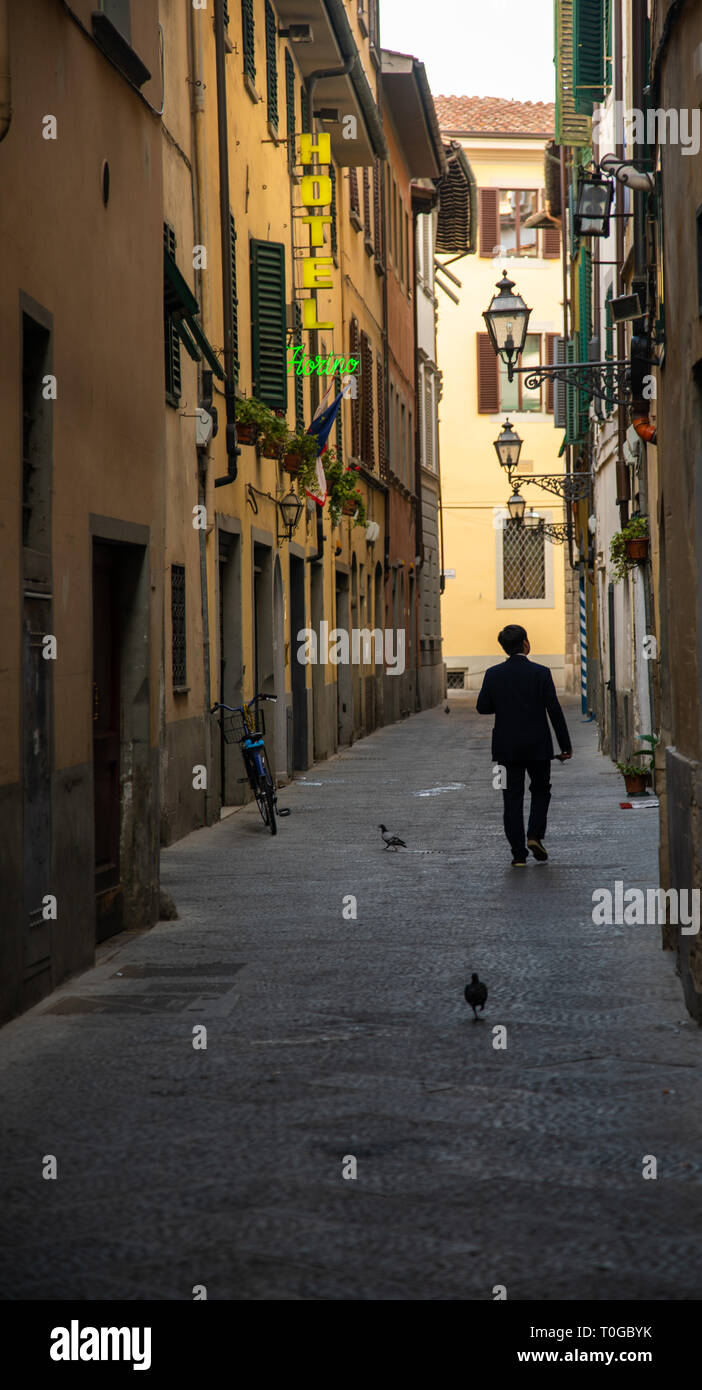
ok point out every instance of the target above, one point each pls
(494, 572)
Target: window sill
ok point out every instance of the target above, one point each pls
(368, 247)
(181, 689)
(273, 132)
(355, 221)
(379, 266)
(173, 401)
(248, 84)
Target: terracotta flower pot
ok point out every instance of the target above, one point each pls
(637, 547)
(270, 449)
(636, 785)
(246, 434)
(349, 508)
(291, 463)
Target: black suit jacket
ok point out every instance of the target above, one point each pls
(521, 694)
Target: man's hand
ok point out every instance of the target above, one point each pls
(563, 757)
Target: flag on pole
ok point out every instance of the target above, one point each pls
(324, 418)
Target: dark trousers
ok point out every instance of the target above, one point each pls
(513, 796)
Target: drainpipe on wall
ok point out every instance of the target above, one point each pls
(233, 450)
(197, 116)
(5, 84)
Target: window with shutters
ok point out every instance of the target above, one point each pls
(373, 22)
(170, 332)
(333, 228)
(354, 200)
(407, 249)
(380, 392)
(514, 395)
(178, 637)
(290, 107)
(609, 348)
(367, 431)
(523, 563)
(234, 294)
(268, 326)
(550, 240)
(429, 460)
(339, 424)
(488, 380)
(271, 66)
(367, 239)
(247, 39)
(355, 351)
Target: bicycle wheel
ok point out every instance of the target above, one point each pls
(268, 794)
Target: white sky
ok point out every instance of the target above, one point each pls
(496, 48)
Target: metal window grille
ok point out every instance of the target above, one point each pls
(179, 661)
(271, 65)
(523, 562)
(170, 332)
(455, 680)
(247, 38)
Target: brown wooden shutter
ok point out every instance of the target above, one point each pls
(550, 357)
(366, 205)
(552, 243)
(378, 212)
(354, 205)
(488, 377)
(489, 220)
(367, 439)
(380, 390)
(354, 351)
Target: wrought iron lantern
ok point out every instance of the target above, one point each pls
(594, 205)
(507, 321)
(291, 508)
(508, 447)
(516, 507)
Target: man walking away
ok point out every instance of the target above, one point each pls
(521, 695)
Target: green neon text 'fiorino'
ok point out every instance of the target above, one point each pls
(324, 366)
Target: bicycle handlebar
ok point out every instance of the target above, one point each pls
(235, 709)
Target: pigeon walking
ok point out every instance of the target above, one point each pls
(391, 841)
(475, 994)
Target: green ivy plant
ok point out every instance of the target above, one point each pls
(636, 528)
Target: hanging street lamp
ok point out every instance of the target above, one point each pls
(291, 508)
(516, 506)
(507, 321)
(594, 205)
(508, 447)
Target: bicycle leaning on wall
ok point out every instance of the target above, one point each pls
(238, 724)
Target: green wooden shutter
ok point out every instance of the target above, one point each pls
(268, 323)
(584, 333)
(234, 294)
(609, 347)
(290, 106)
(299, 381)
(271, 65)
(571, 128)
(571, 398)
(247, 38)
(170, 332)
(588, 54)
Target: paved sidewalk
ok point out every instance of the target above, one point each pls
(329, 1038)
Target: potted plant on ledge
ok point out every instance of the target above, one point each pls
(299, 456)
(345, 497)
(252, 419)
(275, 433)
(629, 546)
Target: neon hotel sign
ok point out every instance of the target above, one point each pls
(316, 193)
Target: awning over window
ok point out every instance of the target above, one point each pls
(457, 223)
(181, 304)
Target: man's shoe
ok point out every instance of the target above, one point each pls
(537, 850)
(519, 863)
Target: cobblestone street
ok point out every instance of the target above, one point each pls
(329, 1037)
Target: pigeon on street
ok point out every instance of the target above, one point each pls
(475, 994)
(391, 841)
(447, 709)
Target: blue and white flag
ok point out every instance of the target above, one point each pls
(324, 418)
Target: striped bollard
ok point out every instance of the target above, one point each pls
(583, 648)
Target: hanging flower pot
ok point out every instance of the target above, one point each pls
(270, 448)
(636, 547)
(349, 508)
(246, 434)
(291, 463)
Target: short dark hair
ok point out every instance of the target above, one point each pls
(512, 638)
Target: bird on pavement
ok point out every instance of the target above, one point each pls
(391, 841)
(475, 994)
(447, 709)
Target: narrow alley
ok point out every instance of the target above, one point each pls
(332, 1037)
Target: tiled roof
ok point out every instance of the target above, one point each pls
(495, 115)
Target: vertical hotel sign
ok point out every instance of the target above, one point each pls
(316, 193)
